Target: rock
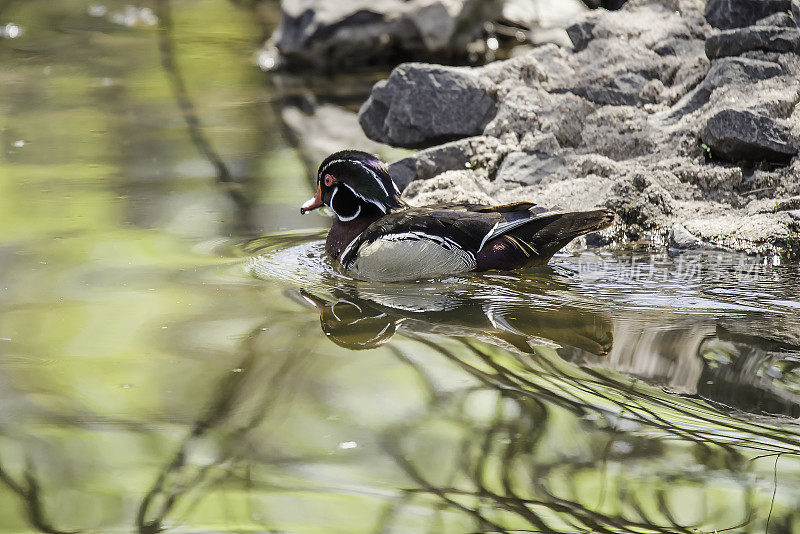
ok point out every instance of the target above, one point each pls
(795, 214)
(676, 47)
(355, 33)
(616, 121)
(526, 168)
(787, 204)
(426, 164)
(782, 19)
(727, 14)
(726, 72)
(738, 135)
(543, 143)
(764, 38)
(403, 172)
(732, 70)
(610, 5)
(450, 186)
(627, 89)
(420, 105)
(478, 154)
(679, 237)
(581, 33)
(733, 230)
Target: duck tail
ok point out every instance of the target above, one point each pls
(554, 232)
(534, 241)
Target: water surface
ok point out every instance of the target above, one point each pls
(177, 352)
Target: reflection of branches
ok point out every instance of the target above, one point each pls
(505, 475)
(224, 177)
(533, 442)
(29, 492)
(177, 478)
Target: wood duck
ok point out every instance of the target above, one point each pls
(376, 236)
(358, 323)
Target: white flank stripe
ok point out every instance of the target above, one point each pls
(501, 228)
(346, 251)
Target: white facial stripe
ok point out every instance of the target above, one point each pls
(377, 178)
(365, 199)
(325, 168)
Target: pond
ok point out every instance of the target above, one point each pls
(177, 352)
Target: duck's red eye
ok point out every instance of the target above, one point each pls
(328, 180)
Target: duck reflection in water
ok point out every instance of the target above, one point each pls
(359, 321)
(672, 355)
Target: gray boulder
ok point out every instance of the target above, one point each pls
(680, 237)
(626, 89)
(727, 14)
(726, 72)
(610, 5)
(581, 33)
(354, 33)
(739, 135)
(763, 38)
(783, 19)
(731, 70)
(527, 168)
(428, 163)
(420, 105)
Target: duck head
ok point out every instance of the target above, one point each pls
(352, 324)
(354, 184)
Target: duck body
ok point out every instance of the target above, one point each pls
(376, 236)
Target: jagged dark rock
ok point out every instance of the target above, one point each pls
(680, 237)
(320, 34)
(726, 72)
(782, 19)
(580, 34)
(431, 162)
(526, 168)
(420, 105)
(605, 4)
(618, 120)
(744, 136)
(727, 14)
(762, 38)
(626, 89)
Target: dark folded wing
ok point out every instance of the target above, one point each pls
(519, 208)
(441, 223)
(450, 238)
